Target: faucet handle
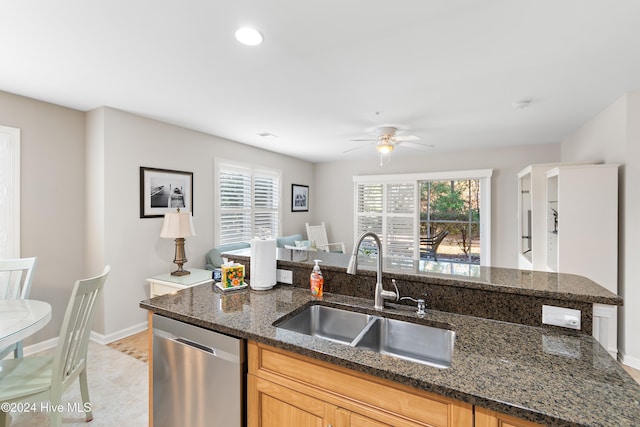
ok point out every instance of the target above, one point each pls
(393, 282)
(422, 305)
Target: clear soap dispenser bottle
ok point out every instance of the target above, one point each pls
(316, 280)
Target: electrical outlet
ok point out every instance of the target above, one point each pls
(561, 316)
(284, 276)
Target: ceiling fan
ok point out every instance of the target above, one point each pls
(387, 139)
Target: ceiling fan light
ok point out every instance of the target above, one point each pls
(384, 147)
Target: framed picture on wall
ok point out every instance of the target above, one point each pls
(299, 198)
(164, 190)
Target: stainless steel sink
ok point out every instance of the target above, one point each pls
(409, 341)
(328, 323)
(424, 344)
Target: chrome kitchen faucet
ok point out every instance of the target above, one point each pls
(380, 293)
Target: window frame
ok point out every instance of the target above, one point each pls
(12, 245)
(253, 170)
(484, 175)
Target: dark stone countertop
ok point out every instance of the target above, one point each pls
(559, 286)
(552, 377)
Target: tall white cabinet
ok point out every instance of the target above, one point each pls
(573, 221)
(532, 219)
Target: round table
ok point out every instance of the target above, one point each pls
(20, 318)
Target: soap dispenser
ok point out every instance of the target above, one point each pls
(316, 281)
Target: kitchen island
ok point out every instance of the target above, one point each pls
(505, 294)
(547, 376)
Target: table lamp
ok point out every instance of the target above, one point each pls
(178, 225)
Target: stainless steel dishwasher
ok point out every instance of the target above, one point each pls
(198, 376)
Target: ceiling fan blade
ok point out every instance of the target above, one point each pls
(403, 138)
(416, 145)
(364, 139)
(354, 148)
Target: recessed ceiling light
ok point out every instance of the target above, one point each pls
(249, 36)
(519, 105)
(267, 135)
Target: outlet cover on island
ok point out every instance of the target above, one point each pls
(284, 276)
(561, 316)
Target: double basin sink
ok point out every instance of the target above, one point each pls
(419, 343)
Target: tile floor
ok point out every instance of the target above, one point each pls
(118, 387)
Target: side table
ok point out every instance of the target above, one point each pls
(166, 283)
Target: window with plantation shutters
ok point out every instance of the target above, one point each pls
(249, 203)
(396, 209)
(388, 210)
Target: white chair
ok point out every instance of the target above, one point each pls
(317, 234)
(45, 378)
(15, 283)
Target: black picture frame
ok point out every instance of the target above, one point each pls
(160, 187)
(299, 198)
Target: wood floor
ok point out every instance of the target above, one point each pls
(136, 345)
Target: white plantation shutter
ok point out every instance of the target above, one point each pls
(266, 204)
(400, 219)
(235, 205)
(389, 211)
(249, 203)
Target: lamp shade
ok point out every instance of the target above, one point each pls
(177, 224)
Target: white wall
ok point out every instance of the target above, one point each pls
(333, 196)
(132, 245)
(613, 136)
(52, 198)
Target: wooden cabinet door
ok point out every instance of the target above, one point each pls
(487, 418)
(272, 405)
(358, 420)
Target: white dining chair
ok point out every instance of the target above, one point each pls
(45, 378)
(15, 283)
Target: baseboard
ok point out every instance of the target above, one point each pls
(633, 362)
(38, 347)
(99, 338)
(123, 333)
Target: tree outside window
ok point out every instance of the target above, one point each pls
(452, 205)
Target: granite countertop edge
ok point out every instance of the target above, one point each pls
(602, 296)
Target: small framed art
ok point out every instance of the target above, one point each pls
(164, 190)
(299, 198)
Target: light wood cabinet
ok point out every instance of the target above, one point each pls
(273, 405)
(487, 418)
(286, 389)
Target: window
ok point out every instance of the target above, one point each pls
(403, 208)
(9, 192)
(452, 206)
(249, 202)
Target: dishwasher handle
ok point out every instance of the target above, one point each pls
(201, 347)
(213, 351)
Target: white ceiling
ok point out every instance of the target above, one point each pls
(328, 70)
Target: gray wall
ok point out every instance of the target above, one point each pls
(332, 198)
(51, 198)
(132, 245)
